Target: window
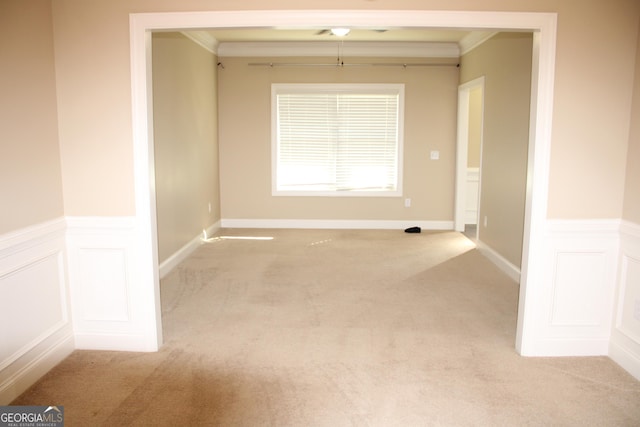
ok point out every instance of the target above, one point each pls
(337, 139)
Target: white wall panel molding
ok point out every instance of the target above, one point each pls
(35, 325)
(106, 294)
(625, 335)
(336, 224)
(577, 291)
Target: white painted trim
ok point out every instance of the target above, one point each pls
(462, 150)
(203, 39)
(24, 253)
(566, 347)
(530, 302)
(630, 229)
(30, 236)
(576, 288)
(183, 253)
(625, 353)
(474, 39)
(106, 246)
(336, 224)
(501, 262)
(37, 367)
(348, 50)
(544, 27)
(624, 346)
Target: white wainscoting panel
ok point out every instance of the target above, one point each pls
(577, 291)
(108, 301)
(35, 326)
(625, 336)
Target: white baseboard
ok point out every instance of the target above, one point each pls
(501, 262)
(183, 253)
(336, 224)
(37, 367)
(571, 347)
(35, 320)
(111, 341)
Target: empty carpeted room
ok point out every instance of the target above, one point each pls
(366, 214)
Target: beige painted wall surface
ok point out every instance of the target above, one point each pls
(632, 188)
(594, 77)
(593, 87)
(186, 140)
(245, 141)
(475, 128)
(505, 62)
(30, 181)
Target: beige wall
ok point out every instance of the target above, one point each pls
(245, 141)
(632, 189)
(594, 76)
(593, 87)
(505, 62)
(186, 140)
(30, 182)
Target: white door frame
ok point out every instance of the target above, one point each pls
(462, 150)
(543, 25)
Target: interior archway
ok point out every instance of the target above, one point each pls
(542, 25)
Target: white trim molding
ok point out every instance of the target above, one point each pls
(474, 39)
(624, 347)
(204, 39)
(501, 262)
(577, 291)
(183, 253)
(336, 224)
(35, 322)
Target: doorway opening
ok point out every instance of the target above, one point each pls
(543, 25)
(469, 156)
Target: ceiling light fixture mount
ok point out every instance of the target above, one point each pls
(340, 32)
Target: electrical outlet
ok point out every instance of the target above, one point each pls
(407, 203)
(435, 155)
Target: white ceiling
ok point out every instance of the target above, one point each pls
(413, 42)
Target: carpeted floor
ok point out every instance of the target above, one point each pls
(338, 328)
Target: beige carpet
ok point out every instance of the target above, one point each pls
(338, 328)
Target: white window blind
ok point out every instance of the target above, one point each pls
(337, 139)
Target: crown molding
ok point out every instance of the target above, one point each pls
(474, 39)
(204, 39)
(350, 49)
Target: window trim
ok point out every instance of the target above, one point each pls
(333, 88)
